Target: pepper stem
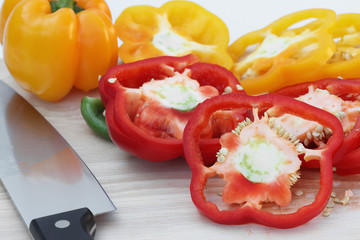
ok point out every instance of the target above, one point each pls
(58, 4)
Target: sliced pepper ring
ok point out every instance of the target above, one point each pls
(117, 88)
(345, 161)
(247, 213)
(283, 55)
(346, 59)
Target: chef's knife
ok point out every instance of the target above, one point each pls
(54, 192)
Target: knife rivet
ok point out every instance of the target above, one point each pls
(62, 224)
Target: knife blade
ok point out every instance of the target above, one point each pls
(53, 190)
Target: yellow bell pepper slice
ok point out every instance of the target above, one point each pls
(345, 62)
(283, 53)
(177, 28)
(48, 52)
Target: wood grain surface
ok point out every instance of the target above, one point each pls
(153, 199)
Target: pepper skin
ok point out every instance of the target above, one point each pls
(176, 28)
(346, 161)
(49, 53)
(247, 213)
(92, 112)
(284, 55)
(119, 89)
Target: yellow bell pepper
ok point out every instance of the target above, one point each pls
(177, 28)
(345, 62)
(282, 54)
(49, 48)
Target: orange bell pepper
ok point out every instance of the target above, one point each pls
(285, 54)
(177, 28)
(346, 60)
(49, 50)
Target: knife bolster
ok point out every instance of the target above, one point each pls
(77, 224)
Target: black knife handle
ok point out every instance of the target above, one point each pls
(77, 224)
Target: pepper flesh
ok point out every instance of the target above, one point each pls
(257, 164)
(347, 92)
(176, 28)
(49, 53)
(284, 55)
(161, 140)
(168, 102)
(248, 213)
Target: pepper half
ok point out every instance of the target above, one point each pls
(48, 52)
(241, 161)
(284, 54)
(341, 98)
(177, 28)
(149, 102)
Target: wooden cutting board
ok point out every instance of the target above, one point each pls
(153, 199)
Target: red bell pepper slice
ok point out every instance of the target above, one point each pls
(347, 92)
(248, 191)
(136, 121)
